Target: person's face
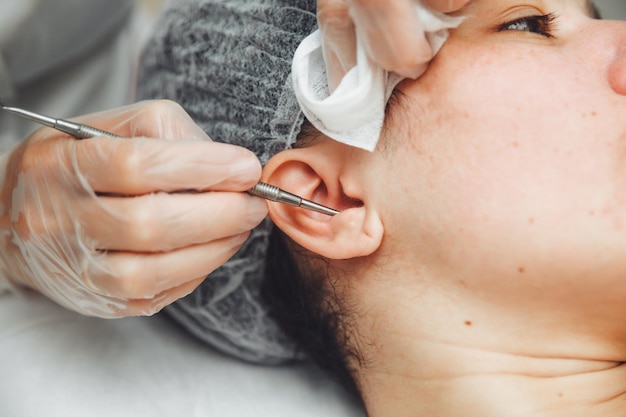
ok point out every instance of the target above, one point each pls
(507, 160)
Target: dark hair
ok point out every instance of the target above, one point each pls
(308, 309)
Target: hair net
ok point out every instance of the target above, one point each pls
(228, 64)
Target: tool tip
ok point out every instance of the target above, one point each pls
(310, 205)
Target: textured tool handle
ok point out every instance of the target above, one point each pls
(264, 190)
(86, 132)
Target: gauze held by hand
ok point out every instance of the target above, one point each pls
(354, 113)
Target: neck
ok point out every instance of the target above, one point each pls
(442, 355)
(451, 381)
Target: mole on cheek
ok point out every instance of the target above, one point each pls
(593, 114)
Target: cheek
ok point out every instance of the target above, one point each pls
(515, 160)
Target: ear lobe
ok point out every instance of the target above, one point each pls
(355, 232)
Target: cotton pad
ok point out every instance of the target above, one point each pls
(354, 113)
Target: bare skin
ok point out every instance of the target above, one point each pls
(486, 238)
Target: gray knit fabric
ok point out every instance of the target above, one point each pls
(228, 64)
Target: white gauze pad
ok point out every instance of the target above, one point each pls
(354, 113)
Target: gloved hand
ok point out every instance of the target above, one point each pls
(390, 30)
(102, 226)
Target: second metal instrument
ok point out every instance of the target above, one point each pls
(82, 131)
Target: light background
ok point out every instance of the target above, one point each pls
(612, 9)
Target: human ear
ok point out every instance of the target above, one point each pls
(319, 174)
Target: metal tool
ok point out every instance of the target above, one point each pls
(273, 193)
(82, 131)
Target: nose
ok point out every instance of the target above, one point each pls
(617, 73)
(617, 68)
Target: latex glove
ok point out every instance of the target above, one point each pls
(390, 30)
(97, 225)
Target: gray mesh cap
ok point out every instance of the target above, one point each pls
(228, 63)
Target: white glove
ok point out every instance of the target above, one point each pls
(102, 226)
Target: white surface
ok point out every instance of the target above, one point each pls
(57, 363)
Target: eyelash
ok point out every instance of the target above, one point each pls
(541, 25)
